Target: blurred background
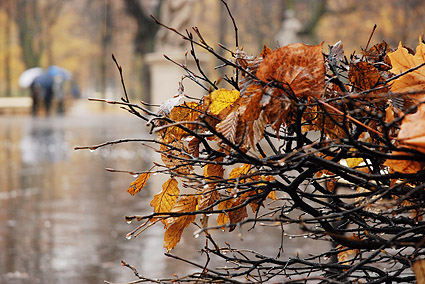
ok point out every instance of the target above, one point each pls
(81, 35)
(61, 213)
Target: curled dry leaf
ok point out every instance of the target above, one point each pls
(299, 65)
(139, 183)
(378, 54)
(364, 76)
(402, 61)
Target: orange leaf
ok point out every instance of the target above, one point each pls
(401, 61)
(404, 166)
(139, 183)
(240, 171)
(223, 218)
(412, 130)
(166, 199)
(237, 215)
(181, 113)
(299, 65)
(419, 270)
(174, 232)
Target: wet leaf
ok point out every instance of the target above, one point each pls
(139, 183)
(402, 61)
(174, 231)
(166, 199)
(299, 65)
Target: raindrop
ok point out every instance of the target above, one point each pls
(291, 237)
(305, 236)
(224, 252)
(135, 175)
(128, 221)
(92, 149)
(235, 195)
(196, 236)
(209, 214)
(128, 236)
(154, 174)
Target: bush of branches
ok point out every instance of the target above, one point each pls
(296, 135)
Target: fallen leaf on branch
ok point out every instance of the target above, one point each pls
(299, 65)
(364, 76)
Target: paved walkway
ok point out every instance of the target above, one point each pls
(15, 105)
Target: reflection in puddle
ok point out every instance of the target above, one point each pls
(62, 215)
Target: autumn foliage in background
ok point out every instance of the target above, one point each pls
(299, 135)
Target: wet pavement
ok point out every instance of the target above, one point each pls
(62, 214)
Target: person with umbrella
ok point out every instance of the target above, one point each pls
(42, 89)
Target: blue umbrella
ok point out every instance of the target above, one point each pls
(45, 80)
(55, 70)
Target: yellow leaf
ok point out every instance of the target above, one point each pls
(272, 195)
(354, 162)
(166, 199)
(174, 232)
(239, 171)
(139, 183)
(419, 269)
(220, 99)
(401, 61)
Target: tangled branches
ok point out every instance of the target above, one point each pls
(331, 144)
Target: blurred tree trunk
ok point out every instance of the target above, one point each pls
(144, 39)
(106, 41)
(8, 35)
(28, 21)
